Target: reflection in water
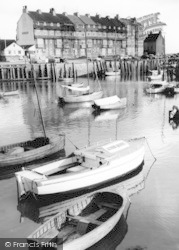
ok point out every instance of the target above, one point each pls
(153, 211)
(39, 213)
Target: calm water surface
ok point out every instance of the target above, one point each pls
(152, 221)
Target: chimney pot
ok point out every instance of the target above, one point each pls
(25, 9)
(76, 14)
(52, 11)
(97, 15)
(39, 11)
(88, 15)
(64, 13)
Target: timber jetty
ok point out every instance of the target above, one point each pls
(78, 68)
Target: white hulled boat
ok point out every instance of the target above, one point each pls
(84, 223)
(87, 168)
(112, 102)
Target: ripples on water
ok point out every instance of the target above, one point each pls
(152, 221)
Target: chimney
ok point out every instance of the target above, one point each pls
(64, 13)
(39, 11)
(52, 11)
(25, 9)
(88, 15)
(76, 14)
(117, 17)
(98, 16)
(108, 17)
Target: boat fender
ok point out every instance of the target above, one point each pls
(173, 112)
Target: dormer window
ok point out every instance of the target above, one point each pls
(109, 27)
(119, 28)
(51, 24)
(58, 25)
(104, 27)
(45, 23)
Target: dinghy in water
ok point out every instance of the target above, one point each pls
(85, 169)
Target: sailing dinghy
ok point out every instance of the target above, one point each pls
(85, 169)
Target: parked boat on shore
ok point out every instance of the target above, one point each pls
(84, 223)
(85, 169)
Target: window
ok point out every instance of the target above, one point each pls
(9, 52)
(19, 52)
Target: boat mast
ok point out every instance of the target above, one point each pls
(86, 53)
(35, 84)
(115, 50)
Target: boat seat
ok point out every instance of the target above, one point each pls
(108, 205)
(84, 221)
(66, 232)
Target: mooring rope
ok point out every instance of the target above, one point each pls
(150, 149)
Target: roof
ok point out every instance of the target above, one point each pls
(75, 20)
(49, 18)
(104, 21)
(152, 37)
(5, 43)
(87, 20)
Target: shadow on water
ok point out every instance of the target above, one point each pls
(39, 213)
(8, 172)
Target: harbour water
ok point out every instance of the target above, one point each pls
(152, 221)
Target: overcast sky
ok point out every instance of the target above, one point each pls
(11, 10)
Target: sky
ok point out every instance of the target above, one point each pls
(11, 11)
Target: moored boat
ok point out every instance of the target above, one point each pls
(66, 79)
(88, 168)
(25, 152)
(86, 97)
(84, 223)
(113, 73)
(9, 93)
(112, 102)
(157, 87)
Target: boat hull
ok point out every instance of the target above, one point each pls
(112, 73)
(56, 143)
(87, 179)
(82, 98)
(108, 103)
(9, 93)
(88, 237)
